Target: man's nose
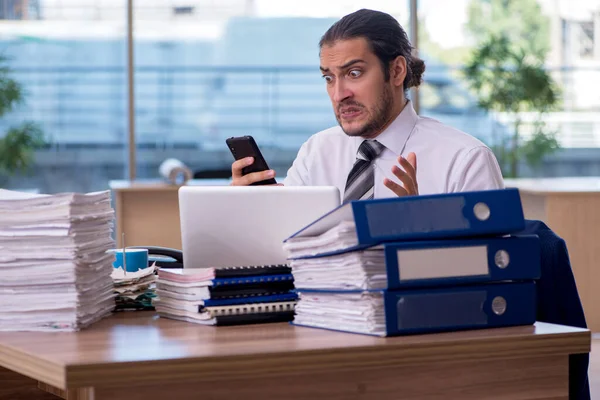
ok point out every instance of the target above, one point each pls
(341, 91)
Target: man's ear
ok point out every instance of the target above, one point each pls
(398, 71)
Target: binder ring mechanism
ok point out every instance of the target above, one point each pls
(481, 211)
(501, 259)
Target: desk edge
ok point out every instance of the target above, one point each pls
(33, 367)
(287, 363)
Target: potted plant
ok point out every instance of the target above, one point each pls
(19, 142)
(512, 82)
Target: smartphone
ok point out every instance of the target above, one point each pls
(245, 146)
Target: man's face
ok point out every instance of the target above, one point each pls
(362, 100)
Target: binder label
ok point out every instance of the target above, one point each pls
(445, 262)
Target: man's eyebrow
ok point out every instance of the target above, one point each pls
(348, 64)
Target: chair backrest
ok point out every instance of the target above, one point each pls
(213, 174)
(558, 300)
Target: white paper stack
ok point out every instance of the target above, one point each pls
(55, 271)
(360, 312)
(356, 270)
(339, 236)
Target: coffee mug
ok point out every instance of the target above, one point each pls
(136, 259)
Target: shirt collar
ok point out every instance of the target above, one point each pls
(394, 137)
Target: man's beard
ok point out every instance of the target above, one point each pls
(380, 115)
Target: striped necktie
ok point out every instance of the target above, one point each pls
(361, 179)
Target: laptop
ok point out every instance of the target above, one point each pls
(233, 226)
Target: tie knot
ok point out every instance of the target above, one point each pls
(369, 149)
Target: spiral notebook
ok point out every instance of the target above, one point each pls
(227, 313)
(230, 319)
(188, 288)
(208, 274)
(196, 295)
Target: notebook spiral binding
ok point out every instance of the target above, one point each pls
(244, 267)
(250, 295)
(241, 309)
(262, 279)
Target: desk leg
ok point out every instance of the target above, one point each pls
(514, 379)
(14, 386)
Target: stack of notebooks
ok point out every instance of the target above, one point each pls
(55, 271)
(226, 296)
(417, 264)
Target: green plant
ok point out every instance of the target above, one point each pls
(19, 142)
(521, 21)
(509, 80)
(17, 146)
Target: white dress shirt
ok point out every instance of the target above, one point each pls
(448, 160)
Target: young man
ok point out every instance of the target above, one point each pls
(368, 67)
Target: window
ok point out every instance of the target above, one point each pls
(205, 70)
(233, 67)
(71, 66)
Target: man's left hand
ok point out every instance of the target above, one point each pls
(407, 175)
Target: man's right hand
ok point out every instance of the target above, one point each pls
(246, 180)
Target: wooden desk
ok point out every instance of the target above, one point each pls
(148, 212)
(138, 356)
(571, 208)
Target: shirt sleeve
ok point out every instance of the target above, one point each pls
(298, 173)
(479, 171)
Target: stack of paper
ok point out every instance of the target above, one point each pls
(360, 312)
(55, 271)
(340, 236)
(355, 270)
(135, 290)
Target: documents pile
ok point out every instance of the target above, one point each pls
(54, 265)
(134, 290)
(226, 296)
(417, 264)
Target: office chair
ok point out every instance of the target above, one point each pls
(558, 300)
